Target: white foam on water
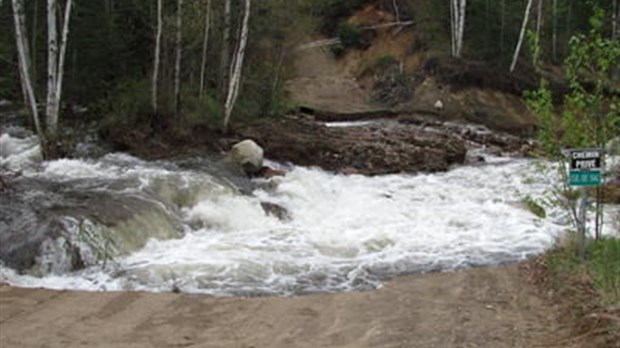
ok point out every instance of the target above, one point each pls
(344, 232)
(16, 153)
(346, 124)
(68, 169)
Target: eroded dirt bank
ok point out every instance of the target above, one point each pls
(486, 307)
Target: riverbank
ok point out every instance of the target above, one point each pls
(483, 307)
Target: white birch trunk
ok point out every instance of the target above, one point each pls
(24, 65)
(33, 42)
(539, 18)
(52, 66)
(177, 61)
(396, 11)
(233, 87)
(55, 64)
(453, 28)
(205, 44)
(459, 47)
(21, 21)
(457, 20)
(61, 60)
(526, 16)
(224, 60)
(156, 58)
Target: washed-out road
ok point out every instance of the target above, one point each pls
(484, 307)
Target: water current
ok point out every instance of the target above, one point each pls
(341, 232)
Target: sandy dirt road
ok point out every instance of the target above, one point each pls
(485, 307)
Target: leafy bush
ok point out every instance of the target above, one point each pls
(350, 35)
(127, 106)
(263, 93)
(379, 64)
(332, 11)
(338, 50)
(206, 111)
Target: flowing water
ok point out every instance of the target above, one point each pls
(207, 230)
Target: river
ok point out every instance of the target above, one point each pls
(207, 231)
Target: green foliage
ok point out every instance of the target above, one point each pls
(9, 74)
(533, 206)
(592, 105)
(350, 35)
(602, 267)
(380, 63)
(127, 106)
(590, 113)
(263, 93)
(206, 111)
(588, 116)
(332, 11)
(338, 49)
(540, 103)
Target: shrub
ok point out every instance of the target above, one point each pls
(128, 105)
(379, 64)
(206, 111)
(350, 36)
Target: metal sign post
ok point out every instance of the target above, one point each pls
(585, 170)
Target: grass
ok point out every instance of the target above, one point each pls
(587, 292)
(600, 269)
(603, 264)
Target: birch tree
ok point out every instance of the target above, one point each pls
(205, 44)
(177, 61)
(235, 78)
(224, 60)
(55, 64)
(24, 63)
(52, 61)
(156, 57)
(526, 16)
(396, 11)
(539, 18)
(457, 21)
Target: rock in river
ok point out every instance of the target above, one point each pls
(248, 155)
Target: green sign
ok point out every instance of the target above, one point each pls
(585, 178)
(585, 167)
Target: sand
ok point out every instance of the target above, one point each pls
(485, 307)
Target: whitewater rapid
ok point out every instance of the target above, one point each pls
(342, 233)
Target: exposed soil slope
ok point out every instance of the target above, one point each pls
(394, 73)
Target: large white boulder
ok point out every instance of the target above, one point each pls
(248, 155)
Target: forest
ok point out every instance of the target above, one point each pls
(179, 64)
